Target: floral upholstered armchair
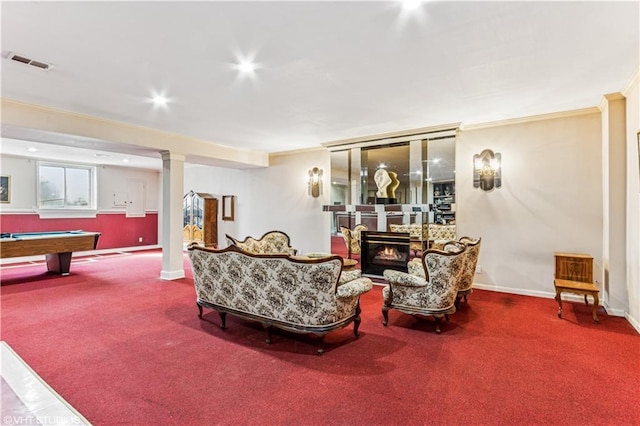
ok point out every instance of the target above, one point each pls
(352, 238)
(432, 295)
(465, 281)
(273, 242)
(469, 270)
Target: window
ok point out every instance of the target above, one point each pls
(66, 186)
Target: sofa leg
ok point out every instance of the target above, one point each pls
(438, 320)
(321, 346)
(199, 311)
(223, 320)
(269, 335)
(385, 314)
(356, 319)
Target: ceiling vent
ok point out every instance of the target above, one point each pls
(28, 61)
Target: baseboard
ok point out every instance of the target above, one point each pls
(549, 295)
(633, 321)
(172, 275)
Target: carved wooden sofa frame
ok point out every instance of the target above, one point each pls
(432, 294)
(298, 295)
(272, 242)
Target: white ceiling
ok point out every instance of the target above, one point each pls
(327, 70)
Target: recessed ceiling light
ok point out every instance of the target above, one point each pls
(246, 67)
(32, 149)
(160, 100)
(125, 160)
(411, 4)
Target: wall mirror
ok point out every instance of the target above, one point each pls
(419, 172)
(340, 194)
(387, 166)
(439, 174)
(228, 207)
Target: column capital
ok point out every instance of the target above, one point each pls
(168, 155)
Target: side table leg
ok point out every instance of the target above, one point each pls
(596, 302)
(559, 300)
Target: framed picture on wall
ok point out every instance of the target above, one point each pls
(5, 189)
(228, 207)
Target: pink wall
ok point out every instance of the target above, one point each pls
(118, 231)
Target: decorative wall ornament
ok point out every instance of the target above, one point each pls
(5, 189)
(315, 182)
(487, 170)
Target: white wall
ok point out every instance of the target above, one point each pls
(550, 199)
(633, 202)
(111, 179)
(273, 198)
(23, 183)
(114, 180)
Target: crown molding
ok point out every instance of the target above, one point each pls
(531, 118)
(382, 138)
(296, 151)
(610, 97)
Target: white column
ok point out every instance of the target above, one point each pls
(614, 288)
(172, 193)
(356, 178)
(415, 172)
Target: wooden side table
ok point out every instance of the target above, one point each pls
(574, 274)
(349, 264)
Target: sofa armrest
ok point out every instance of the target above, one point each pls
(347, 276)
(404, 279)
(354, 288)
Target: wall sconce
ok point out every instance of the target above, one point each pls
(487, 170)
(315, 182)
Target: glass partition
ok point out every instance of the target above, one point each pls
(392, 184)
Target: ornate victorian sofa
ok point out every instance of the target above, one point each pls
(435, 232)
(433, 294)
(302, 295)
(273, 242)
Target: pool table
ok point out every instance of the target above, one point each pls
(57, 246)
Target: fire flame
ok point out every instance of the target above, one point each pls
(389, 253)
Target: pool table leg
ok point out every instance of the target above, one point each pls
(59, 263)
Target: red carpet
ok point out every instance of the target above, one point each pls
(124, 347)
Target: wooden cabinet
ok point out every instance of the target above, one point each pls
(444, 198)
(200, 219)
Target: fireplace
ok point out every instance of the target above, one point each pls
(384, 250)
